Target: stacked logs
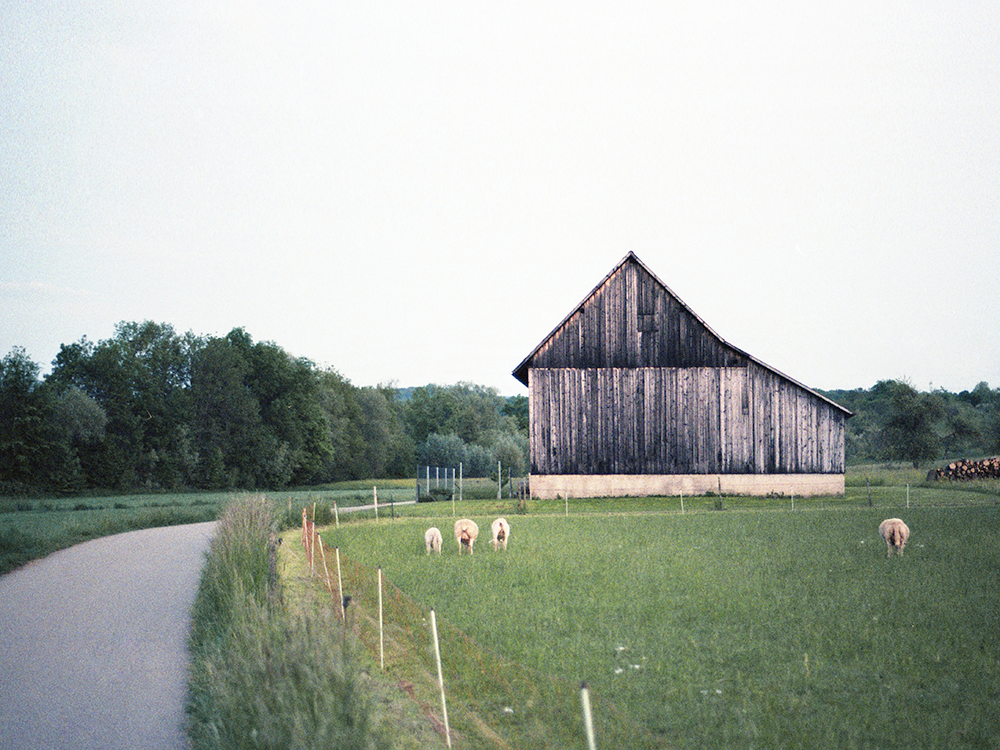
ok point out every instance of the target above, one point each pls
(988, 468)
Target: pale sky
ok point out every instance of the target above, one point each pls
(420, 192)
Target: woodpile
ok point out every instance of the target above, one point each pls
(988, 468)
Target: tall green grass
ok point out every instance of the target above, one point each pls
(261, 676)
(730, 629)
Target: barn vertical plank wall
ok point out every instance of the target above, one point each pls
(633, 382)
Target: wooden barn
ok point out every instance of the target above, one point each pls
(633, 394)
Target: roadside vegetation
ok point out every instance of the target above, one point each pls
(264, 675)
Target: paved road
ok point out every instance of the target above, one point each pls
(93, 643)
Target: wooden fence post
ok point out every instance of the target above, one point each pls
(437, 656)
(588, 718)
(340, 587)
(381, 629)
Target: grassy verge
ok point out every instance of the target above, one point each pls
(263, 675)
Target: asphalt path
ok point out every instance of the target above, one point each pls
(93, 643)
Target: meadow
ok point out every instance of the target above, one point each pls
(702, 621)
(754, 626)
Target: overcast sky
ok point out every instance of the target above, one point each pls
(418, 192)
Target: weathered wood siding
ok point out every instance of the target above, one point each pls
(631, 320)
(679, 420)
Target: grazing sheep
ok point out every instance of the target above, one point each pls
(501, 533)
(466, 532)
(432, 538)
(895, 533)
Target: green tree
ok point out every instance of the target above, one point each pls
(511, 451)
(516, 407)
(387, 450)
(228, 433)
(961, 426)
(287, 391)
(77, 429)
(338, 400)
(908, 431)
(470, 411)
(140, 377)
(24, 410)
(445, 450)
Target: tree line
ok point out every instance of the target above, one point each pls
(894, 422)
(151, 409)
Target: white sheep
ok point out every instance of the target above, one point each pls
(501, 533)
(895, 533)
(432, 538)
(466, 533)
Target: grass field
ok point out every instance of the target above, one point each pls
(752, 627)
(31, 528)
(774, 622)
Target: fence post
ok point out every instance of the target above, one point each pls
(381, 637)
(340, 587)
(326, 570)
(588, 718)
(437, 656)
(375, 500)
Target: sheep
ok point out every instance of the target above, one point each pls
(501, 533)
(895, 533)
(466, 533)
(432, 538)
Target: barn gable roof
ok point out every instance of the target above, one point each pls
(685, 340)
